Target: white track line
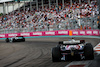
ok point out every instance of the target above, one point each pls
(85, 63)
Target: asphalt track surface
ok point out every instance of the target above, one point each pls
(36, 52)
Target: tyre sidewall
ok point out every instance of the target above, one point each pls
(7, 40)
(88, 52)
(56, 54)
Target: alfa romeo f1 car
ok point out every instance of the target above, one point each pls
(72, 50)
(15, 39)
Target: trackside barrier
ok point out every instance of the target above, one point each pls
(54, 33)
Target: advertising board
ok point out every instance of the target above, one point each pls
(54, 33)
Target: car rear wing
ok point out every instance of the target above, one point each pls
(75, 42)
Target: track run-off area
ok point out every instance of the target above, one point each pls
(36, 52)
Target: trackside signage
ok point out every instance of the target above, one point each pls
(54, 33)
(12, 35)
(36, 33)
(63, 32)
(27, 34)
(75, 32)
(82, 32)
(2, 35)
(89, 32)
(49, 33)
(96, 32)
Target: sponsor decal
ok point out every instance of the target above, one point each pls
(10, 35)
(75, 32)
(82, 32)
(37, 33)
(89, 32)
(2, 35)
(50, 33)
(25, 34)
(62, 32)
(95, 32)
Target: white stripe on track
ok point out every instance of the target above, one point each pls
(86, 63)
(97, 48)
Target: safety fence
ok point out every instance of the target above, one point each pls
(54, 33)
(69, 24)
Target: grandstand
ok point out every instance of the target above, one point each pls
(49, 15)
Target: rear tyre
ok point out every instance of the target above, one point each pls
(7, 40)
(56, 54)
(23, 39)
(13, 40)
(60, 42)
(88, 52)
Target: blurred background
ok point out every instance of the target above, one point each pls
(48, 15)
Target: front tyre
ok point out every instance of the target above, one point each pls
(24, 39)
(7, 40)
(13, 40)
(88, 52)
(56, 54)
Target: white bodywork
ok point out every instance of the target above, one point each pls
(68, 47)
(72, 41)
(72, 45)
(11, 39)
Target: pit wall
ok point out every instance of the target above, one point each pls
(54, 33)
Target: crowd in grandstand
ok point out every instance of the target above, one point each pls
(50, 19)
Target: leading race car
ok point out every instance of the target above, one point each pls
(72, 50)
(15, 39)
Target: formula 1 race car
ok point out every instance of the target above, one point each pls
(73, 50)
(15, 39)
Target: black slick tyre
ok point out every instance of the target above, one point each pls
(13, 40)
(56, 54)
(7, 40)
(88, 52)
(23, 39)
(60, 42)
